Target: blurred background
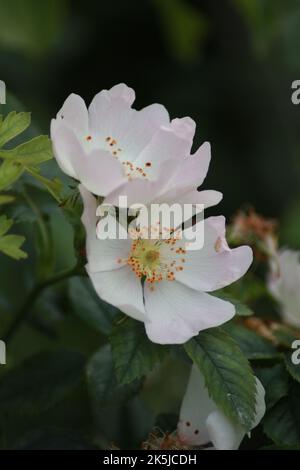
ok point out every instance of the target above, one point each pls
(229, 64)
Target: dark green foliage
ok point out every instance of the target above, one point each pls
(227, 373)
(134, 354)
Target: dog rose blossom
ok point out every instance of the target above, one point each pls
(162, 284)
(202, 423)
(113, 149)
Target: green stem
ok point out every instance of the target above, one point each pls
(32, 297)
(40, 221)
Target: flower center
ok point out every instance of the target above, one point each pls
(156, 260)
(145, 259)
(151, 256)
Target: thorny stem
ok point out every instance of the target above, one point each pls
(32, 297)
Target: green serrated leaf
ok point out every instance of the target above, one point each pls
(252, 345)
(10, 246)
(103, 385)
(275, 381)
(10, 171)
(133, 353)
(293, 369)
(40, 382)
(6, 199)
(228, 376)
(13, 125)
(5, 224)
(33, 152)
(282, 422)
(87, 305)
